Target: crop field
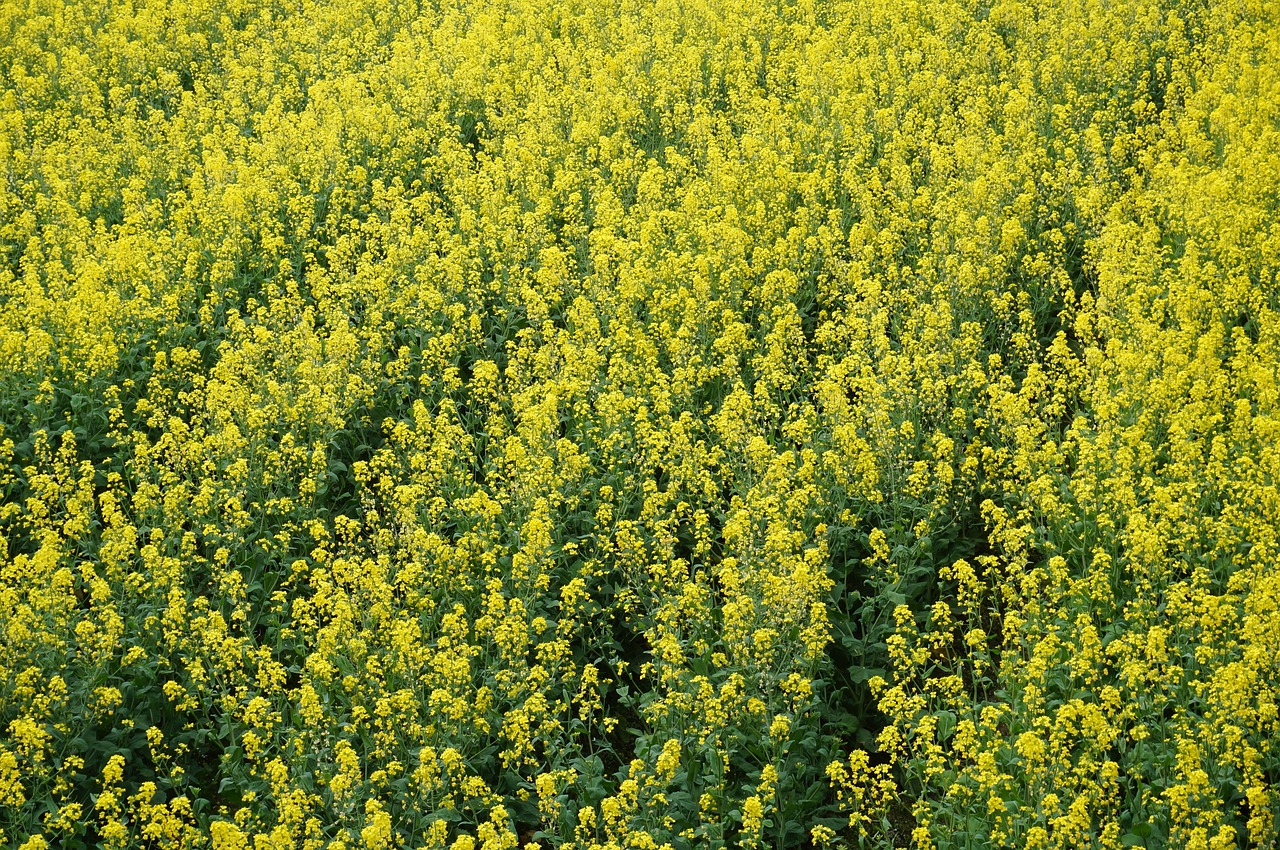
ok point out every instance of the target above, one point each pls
(639, 424)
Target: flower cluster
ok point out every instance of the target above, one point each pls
(555, 425)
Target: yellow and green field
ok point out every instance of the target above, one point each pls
(655, 425)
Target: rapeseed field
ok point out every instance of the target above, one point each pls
(617, 425)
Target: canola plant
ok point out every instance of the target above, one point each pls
(657, 425)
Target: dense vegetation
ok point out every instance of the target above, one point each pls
(602, 425)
